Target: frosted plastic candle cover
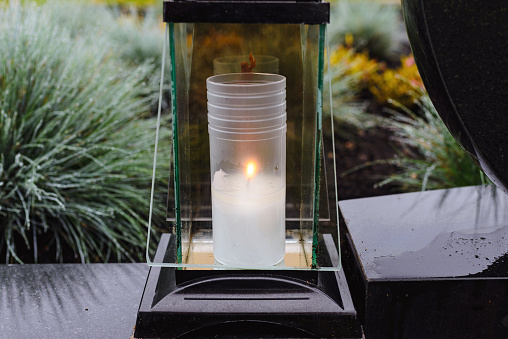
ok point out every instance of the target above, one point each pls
(247, 128)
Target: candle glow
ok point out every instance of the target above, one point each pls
(251, 169)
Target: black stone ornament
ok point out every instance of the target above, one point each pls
(461, 50)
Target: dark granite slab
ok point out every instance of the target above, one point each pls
(430, 263)
(70, 300)
(460, 49)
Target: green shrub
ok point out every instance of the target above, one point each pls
(135, 40)
(375, 27)
(81, 18)
(139, 40)
(75, 157)
(428, 156)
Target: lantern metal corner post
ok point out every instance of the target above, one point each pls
(250, 250)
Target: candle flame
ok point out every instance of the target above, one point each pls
(251, 170)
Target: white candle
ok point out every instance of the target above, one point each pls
(247, 128)
(248, 215)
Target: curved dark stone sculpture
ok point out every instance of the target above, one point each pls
(461, 50)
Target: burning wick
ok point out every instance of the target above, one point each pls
(250, 171)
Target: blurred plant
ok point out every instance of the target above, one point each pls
(402, 85)
(135, 40)
(75, 159)
(427, 155)
(139, 41)
(350, 72)
(81, 18)
(355, 63)
(376, 27)
(136, 3)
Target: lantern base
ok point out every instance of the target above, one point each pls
(244, 303)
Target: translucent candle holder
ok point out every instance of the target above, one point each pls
(247, 130)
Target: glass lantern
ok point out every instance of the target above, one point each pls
(248, 178)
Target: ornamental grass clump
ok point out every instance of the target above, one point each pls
(135, 40)
(428, 157)
(376, 27)
(139, 40)
(402, 85)
(76, 150)
(349, 73)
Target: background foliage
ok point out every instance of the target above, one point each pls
(79, 89)
(376, 27)
(75, 141)
(374, 91)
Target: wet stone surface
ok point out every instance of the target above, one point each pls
(438, 234)
(70, 300)
(429, 264)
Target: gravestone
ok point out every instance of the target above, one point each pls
(460, 48)
(435, 264)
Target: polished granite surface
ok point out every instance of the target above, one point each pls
(429, 264)
(438, 234)
(70, 300)
(460, 49)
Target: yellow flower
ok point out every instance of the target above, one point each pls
(354, 62)
(403, 84)
(348, 40)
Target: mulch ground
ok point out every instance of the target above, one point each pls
(369, 146)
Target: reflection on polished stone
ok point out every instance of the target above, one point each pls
(429, 264)
(445, 233)
(70, 300)
(199, 251)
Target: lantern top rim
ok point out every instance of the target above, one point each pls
(310, 12)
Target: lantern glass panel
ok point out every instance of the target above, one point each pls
(198, 51)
